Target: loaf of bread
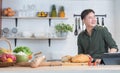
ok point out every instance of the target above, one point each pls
(66, 58)
(81, 58)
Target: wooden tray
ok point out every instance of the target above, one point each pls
(27, 64)
(74, 64)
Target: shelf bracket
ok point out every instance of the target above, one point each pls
(49, 22)
(15, 40)
(16, 22)
(49, 42)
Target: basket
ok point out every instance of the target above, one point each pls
(6, 64)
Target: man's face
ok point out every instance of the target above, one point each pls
(90, 20)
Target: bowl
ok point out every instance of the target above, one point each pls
(37, 34)
(26, 34)
(21, 58)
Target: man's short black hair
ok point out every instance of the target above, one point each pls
(85, 13)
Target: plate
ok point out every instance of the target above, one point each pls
(14, 30)
(5, 30)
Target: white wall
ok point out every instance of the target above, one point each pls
(58, 47)
(117, 21)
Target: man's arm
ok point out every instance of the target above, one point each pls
(110, 41)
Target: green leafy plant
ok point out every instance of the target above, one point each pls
(62, 27)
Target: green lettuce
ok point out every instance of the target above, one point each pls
(24, 49)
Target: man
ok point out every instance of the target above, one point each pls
(94, 40)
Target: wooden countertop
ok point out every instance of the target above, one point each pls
(47, 68)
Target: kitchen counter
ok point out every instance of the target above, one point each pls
(63, 69)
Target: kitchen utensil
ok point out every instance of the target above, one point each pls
(98, 21)
(76, 30)
(102, 21)
(79, 23)
(82, 25)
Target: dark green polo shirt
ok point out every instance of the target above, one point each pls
(98, 43)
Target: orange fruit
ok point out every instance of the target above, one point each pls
(5, 12)
(9, 60)
(9, 9)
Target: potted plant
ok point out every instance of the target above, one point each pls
(62, 29)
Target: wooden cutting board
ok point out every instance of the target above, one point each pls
(74, 64)
(51, 64)
(26, 64)
(62, 64)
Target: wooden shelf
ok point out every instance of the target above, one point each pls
(34, 38)
(37, 38)
(53, 18)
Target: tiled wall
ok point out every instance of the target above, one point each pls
(117, 22)
(58, 47)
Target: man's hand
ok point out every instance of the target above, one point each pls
(112, 50)
(98, 61)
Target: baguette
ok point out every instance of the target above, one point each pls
(37, 61)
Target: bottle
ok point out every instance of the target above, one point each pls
(53, 11)
(61, 12)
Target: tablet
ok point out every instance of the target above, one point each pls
(111, 58)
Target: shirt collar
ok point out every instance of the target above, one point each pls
(95, 28)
